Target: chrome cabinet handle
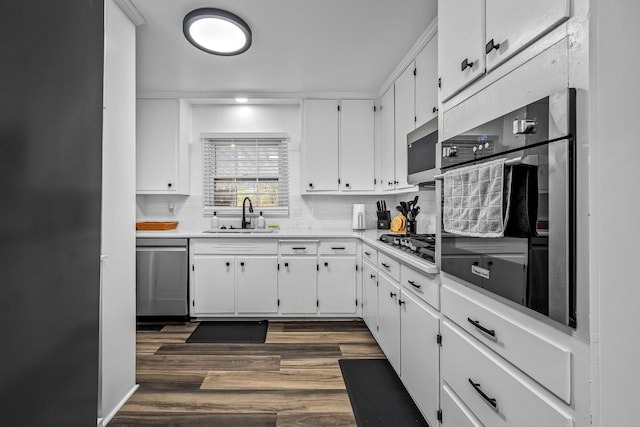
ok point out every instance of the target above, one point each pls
(477, 324)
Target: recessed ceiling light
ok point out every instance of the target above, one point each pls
(217, 31)
(242, 99)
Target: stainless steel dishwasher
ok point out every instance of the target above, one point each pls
(161, 277)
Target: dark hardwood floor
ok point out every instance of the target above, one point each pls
(293, 379)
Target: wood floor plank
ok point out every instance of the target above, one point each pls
(301, 362)
(271, 349)
(185, 327)
(285, 379)
(169, 379)
(207, 362)
(238, 402)
(162, 337)
(147, 347)
(324, 326)
(194, 420)
(361, 350)
(303, 419)
(319, 337)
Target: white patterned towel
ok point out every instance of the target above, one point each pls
(473, 199)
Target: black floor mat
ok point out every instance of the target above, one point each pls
(149, 328)
(377, 395)
(230, 332)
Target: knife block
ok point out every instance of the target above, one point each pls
(384, 221)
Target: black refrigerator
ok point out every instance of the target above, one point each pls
(51, 78)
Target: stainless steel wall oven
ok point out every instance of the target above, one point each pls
(533, 262)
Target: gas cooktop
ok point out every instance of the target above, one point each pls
(419, 245)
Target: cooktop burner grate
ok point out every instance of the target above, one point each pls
(419, 245)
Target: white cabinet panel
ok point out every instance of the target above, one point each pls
(457, 414)
(419, 354)
(405, 121)
(460, 39)
(157, 145)
(297, 280)
(214, 284)
(426, 286)
(370, 297)
(427, 82)
(496, 393)
(321, 145)
(357, 145)
(257, 284)
(513, 25)
(337, 285)
(389, 320)
(387, 141)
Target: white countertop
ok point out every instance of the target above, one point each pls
(370, 237)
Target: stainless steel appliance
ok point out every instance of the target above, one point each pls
(161, 277)
(533, 267)
(421, 153)
(419, 245)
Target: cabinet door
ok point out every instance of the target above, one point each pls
(337, 285)
(156, 145)
(297, 279)
(321, 145)
(460, 38)
(513, 30)
(370, 297)
(257, 284)
(427, 82)
(389, 320)
(419, 354)
(405, 121)
(387, 141)
(357, 145)
(214, 284)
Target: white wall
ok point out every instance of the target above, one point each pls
(615, 208)
(309, 212)
(118, 309)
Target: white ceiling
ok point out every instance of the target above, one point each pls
(299, 46)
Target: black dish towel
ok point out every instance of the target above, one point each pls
(521, 213)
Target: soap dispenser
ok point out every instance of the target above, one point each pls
(261, 222)
(214, 221)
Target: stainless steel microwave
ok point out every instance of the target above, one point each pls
(421, 153)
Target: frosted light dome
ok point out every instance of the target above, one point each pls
(217, 31)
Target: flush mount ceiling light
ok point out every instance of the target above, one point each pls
(217, 31)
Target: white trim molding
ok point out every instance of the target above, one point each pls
(131, 11)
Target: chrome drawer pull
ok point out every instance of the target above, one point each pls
(490, 400)
(482, 328)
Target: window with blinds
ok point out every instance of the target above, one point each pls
(235, 168)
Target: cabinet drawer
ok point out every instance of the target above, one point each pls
(302, 247)
(370, 254)
(424, 285)
(496, 393)
(234, 247)
(389, 266)
(457, 414)
(542, 360)
(338, 248)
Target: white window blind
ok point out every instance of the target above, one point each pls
(235, 168)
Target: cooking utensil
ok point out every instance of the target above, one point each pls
(405, 208)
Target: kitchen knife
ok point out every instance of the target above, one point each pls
(405, 208)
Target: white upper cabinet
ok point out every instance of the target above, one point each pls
(512, 25)
(405, 121)
(357, 145)
(339, 145)
(427, 82)
(162, 146)
(461, 58)
(321, 145)
(387, 141)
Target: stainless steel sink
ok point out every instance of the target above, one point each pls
(241, 231)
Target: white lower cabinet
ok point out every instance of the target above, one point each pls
(370, 297)
(497, 393)
(457, 414)
(297, 281)
(389, 320)
(213, 284)
(420, 354)
(257, 284)
(337, 285)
